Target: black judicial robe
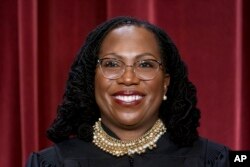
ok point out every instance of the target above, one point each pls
(78, 153)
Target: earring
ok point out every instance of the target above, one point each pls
(165, 97)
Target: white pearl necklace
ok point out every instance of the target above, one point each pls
(119, 148)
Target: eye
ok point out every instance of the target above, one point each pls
(147, 64)
(110, 63)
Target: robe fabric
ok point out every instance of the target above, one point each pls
(78, 153)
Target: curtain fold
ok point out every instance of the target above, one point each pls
(245, 116)
(9, 90)
(238, 74)
(39, 40)
(28, 74)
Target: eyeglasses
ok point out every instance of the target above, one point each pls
(143, 69)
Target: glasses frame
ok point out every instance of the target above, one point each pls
(99, 61)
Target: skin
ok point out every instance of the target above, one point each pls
(130, 120)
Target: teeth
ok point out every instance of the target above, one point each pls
(128, 99)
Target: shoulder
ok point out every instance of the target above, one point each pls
(207, 152)
(214, 154)
(45, 157)
(58, 153)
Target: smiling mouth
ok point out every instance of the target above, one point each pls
(128, 98)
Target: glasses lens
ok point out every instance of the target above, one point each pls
(146, 69)
(111, 68)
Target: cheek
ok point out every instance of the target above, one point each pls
(102, 86)
(156, 88)
(99, 84)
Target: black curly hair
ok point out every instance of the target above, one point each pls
(78, 111)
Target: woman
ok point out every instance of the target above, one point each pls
(128, 102)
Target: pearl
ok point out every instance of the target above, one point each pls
(119, 148)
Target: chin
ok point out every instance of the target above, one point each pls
(129, 122)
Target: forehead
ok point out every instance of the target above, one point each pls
(130, 40)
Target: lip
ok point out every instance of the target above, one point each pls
(128, 98)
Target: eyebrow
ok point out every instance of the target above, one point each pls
(122, 57)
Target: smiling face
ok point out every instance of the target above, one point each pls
(129, 102)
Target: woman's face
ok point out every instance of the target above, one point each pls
(129, 102)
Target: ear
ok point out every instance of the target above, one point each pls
(166, 82)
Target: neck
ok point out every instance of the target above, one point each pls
(131, 132)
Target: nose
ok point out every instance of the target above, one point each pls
(128, 77)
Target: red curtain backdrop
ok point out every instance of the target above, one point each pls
(39, 40)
